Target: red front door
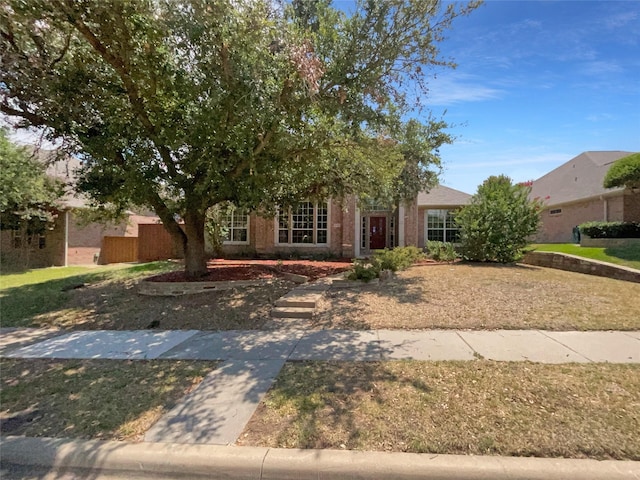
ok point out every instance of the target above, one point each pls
(377, 232)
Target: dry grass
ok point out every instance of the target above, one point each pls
(100, 399)
(116, 305)
(481, 407)
(485, 297)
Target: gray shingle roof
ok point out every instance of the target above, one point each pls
(441, 196)
(580, 178)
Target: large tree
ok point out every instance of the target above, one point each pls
(624, 172)
(181, 105)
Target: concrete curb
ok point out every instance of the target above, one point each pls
(230, 462)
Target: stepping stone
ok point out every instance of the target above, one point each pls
(292, 312)
(218, 410)
(614, 347)
(428, 345)
(119, 345)
(340, 345)
(519, 345)
(298, 299)
(247, 345)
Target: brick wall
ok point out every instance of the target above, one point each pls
(558, 228)
(632, 206)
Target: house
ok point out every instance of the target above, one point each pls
(344, 228)
(573, 194)
(71, 240)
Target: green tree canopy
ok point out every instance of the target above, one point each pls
(27, 195)
(624, 172)
(498, 221)
(180, 105)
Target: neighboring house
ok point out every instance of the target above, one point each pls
(70, 241)
(573, 194)
(345, 229)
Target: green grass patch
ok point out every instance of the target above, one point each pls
(24, 295)
(480, 407)
(101, 399)
(628, 256)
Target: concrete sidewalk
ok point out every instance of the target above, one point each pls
(341, 345)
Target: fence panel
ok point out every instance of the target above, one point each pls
(119, 249)
(155, 243)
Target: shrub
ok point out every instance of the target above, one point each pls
(610, 229)
(442, 251)
(399, 258)
(496, 225)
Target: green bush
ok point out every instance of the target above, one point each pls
(496, 225)
(610, 229)
(442, 251)
(399, 258)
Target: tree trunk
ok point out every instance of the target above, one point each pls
(195, 258)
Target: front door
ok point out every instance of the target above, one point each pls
(377, 233)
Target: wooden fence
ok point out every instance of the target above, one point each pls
(119, 249)
(155, 243)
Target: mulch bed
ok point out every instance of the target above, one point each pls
(227, 270)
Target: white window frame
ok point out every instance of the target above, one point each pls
(445, 229)
(230, 218)
(290, 229)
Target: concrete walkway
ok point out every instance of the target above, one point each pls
(217, 411)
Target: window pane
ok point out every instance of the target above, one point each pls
(283, 236)
(239, 235)
(322, 236)
(435, 235)
(302, 236)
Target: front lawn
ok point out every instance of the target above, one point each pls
(479, 408)
(100, 399)
(628, 256)
(107, 298)
(484, 296)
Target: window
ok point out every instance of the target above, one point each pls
(440, 226)
(555, 211)
(307, 223)
(19, 239)
(236, 223)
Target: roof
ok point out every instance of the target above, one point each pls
(578, 179)
(442, 196)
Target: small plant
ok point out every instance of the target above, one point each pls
(399, 258)
(442, 251)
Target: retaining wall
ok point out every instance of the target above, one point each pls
(572, 263)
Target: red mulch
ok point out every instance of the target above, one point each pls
(224, 270)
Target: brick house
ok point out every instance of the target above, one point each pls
(573, 194)
(344, 228)
(70, 241)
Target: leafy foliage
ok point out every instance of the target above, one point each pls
(442, 251)
(179, 106)
(624, 172)
(27, 195)
(399, 258)
(611, 229)
(498, 221)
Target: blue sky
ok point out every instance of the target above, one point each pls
(537, 83)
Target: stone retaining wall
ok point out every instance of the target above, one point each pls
(170, 289)
(572, 263)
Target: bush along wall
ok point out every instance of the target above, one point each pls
(610, 229)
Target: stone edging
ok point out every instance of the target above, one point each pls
(573, 263)
(174, 289)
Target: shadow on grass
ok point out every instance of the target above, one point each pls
(629, 253)
(20, 304)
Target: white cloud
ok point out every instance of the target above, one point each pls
(451, 89)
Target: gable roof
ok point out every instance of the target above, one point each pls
(441, 196)
(578, 179)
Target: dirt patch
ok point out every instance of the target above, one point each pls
(229, 270)
(480, 296)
